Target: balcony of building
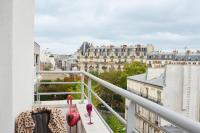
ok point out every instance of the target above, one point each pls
(17, 70)
(86, 93)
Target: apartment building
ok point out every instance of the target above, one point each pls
(72, 62)
(160, 59)
(175, 87)
(149, 85)
(60, 61)
(47, 61)
(65, 62)
(106, 58)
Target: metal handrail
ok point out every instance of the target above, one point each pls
(60, 83)
(169, 115)
(57, 93)
(59, 72)
(110, 109)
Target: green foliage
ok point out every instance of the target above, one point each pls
(113, 77)
(115, 124)
(135, 68)
(118, 78)
(95, 73)
(132, 69)
(48, 67)
(59, 88)
(113, 99)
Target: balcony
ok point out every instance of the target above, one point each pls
(99, 123)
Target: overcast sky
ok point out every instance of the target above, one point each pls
(62, 25)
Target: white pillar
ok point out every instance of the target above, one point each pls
(131, 118)
(82, 88)
(16, 60)
(89, 90)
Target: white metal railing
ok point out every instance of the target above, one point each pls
(169, 115)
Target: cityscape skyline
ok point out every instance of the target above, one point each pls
(157, 49)
(167, 24)
(134, 84)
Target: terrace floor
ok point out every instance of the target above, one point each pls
(98, 126)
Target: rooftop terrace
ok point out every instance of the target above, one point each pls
(100, 125)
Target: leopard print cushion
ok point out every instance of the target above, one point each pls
(25, 124)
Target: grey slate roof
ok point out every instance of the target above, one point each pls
(174, 56)
(142, 78)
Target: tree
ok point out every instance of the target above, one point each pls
(60, 88)
(118, 78)
(48, 67)
(134, 68)
(113, 99)
(115, 124)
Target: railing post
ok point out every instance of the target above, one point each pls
(37, 87)
(82, 88)
(131, 118)
(37, 90)
(89, 90)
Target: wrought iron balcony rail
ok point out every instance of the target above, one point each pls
(169, 115)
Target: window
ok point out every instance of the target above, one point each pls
(37, 59)
(147, 92)
(159, 96)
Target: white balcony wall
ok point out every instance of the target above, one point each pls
(16, 55)
(182, 90)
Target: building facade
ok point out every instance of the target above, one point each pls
(160, 59)
(65, 62)
(150, 86)
(36, 57)
(47, 61)
(106, 58)
(176, 87)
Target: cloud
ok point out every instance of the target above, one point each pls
(62, 25)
